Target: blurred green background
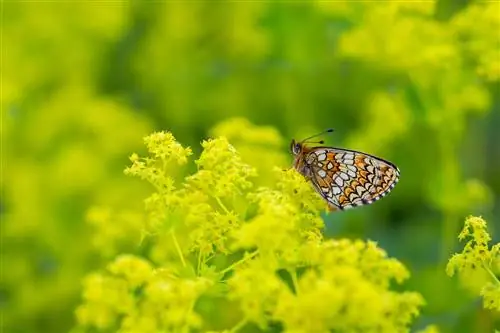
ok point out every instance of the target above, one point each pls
(83, 81)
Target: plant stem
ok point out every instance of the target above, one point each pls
(239, 325)
(200, 261)
(179, 252)
(221, 204)
(487, 268)
(293, 274)
(239, 262)
(205, 259)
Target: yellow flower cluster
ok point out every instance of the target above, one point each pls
(253, 142)
(476, 26)
(338, 285)
(218, 245)
(55, 172)
(163, 150)
(478, 262)
(114, 232)
(133, 296)
(221, 173)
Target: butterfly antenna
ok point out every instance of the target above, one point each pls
(330, 130)
(318, 142)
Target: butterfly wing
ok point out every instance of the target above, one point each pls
(348, 178)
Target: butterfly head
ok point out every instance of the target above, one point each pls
(297, 147)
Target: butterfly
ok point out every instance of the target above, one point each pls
(344, 178)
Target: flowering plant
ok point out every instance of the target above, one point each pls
(218, 255)
(478, 264)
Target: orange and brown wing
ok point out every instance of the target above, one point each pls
(347, 178)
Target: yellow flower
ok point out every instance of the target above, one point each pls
(259, 146)
(135, 270)
(476, 26)
(221, 172)
(477, 264)
(114, 232)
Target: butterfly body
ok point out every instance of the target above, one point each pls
(345, 178)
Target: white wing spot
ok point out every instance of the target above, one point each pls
(370, 178)
(330, 165)
(339, 181)
(366, 195)
(360, 189)
(344, 176)
(322, 173)
(357, 200)
(348, 162)
(322, 157)
(349, 156)
(336, 190)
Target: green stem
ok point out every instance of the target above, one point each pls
(239, 325)
(221, 204)
(487, 268)
(205, 260)
(295, 281)
(179, 252)
(198, 268)
(239, 262)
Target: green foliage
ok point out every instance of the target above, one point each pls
(263, 262)
(478, 265)
(82, 83)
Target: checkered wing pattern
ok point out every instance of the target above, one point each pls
(347, 178)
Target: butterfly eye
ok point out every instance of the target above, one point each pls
(296, 148)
